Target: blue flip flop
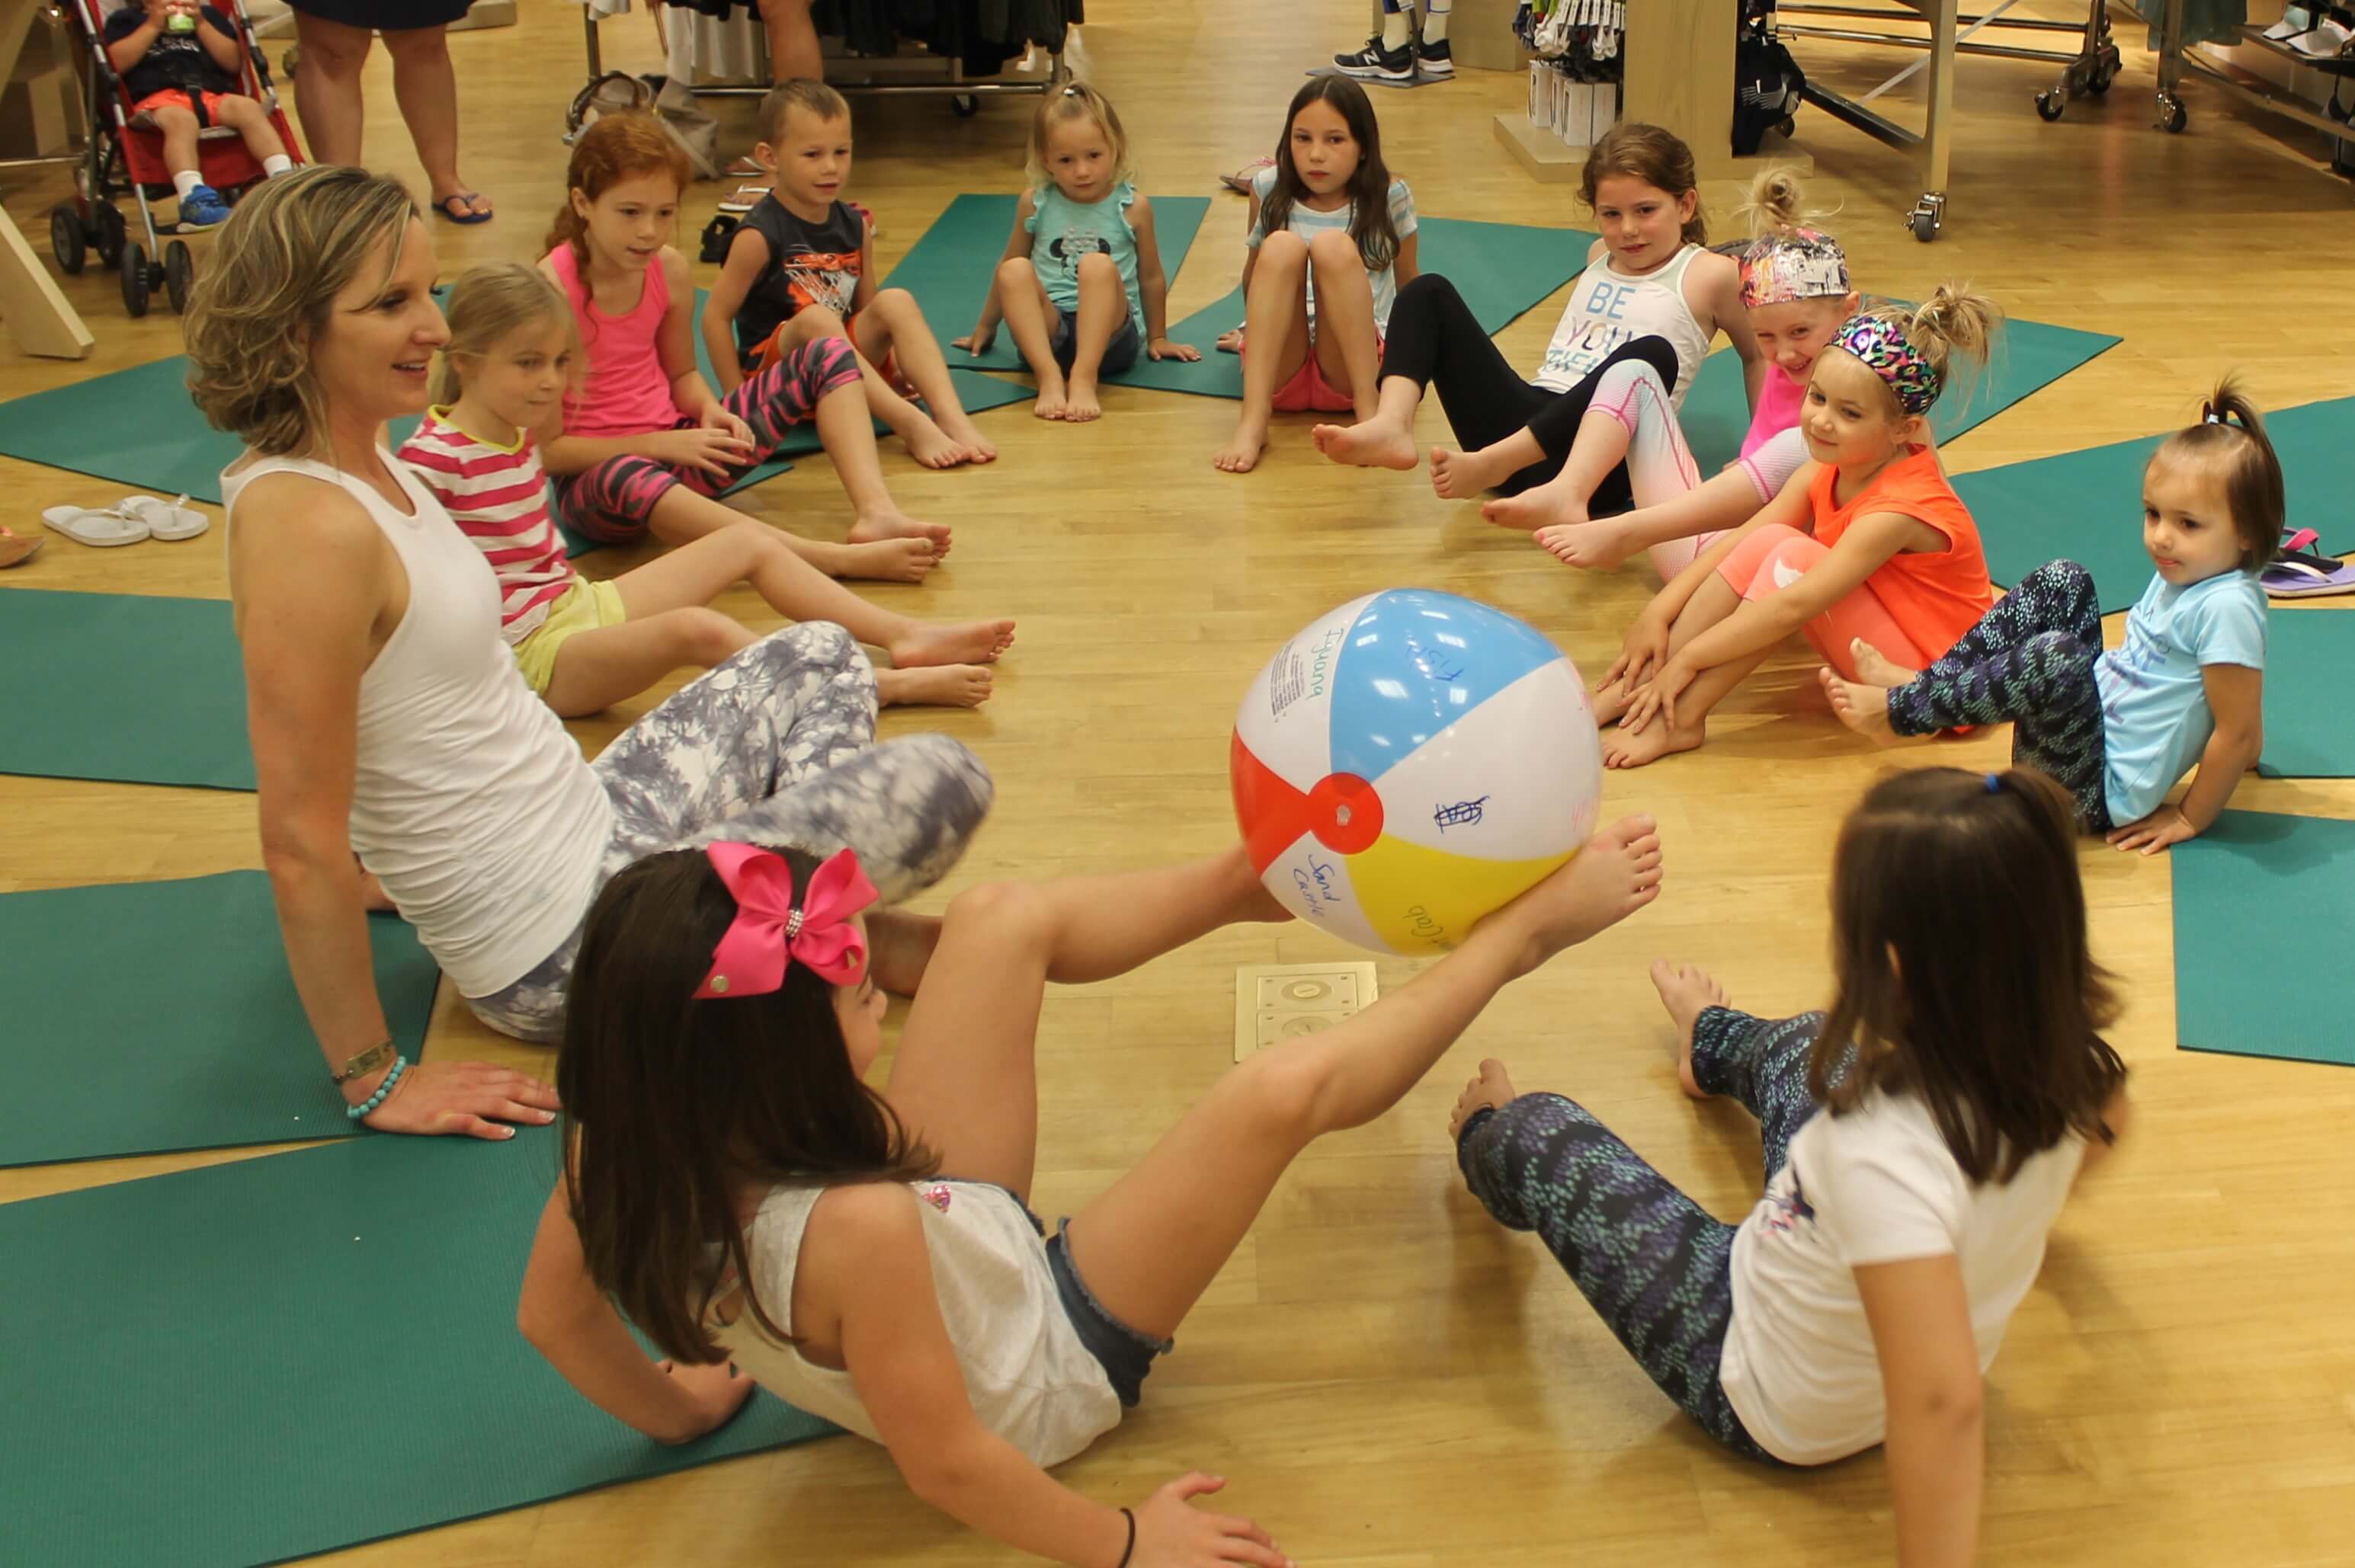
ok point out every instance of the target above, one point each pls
(441, 208)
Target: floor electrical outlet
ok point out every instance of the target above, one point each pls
(1275, 1002)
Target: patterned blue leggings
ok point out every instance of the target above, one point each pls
(2029, 663)
(1653, 1264)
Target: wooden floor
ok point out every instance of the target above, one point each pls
(1385, 1377)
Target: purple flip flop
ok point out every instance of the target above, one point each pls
(2302, 572)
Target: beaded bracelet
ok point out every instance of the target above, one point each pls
(360, 1111)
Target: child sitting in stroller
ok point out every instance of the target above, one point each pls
(180, 61)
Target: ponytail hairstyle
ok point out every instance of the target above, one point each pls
(1913, 350)
(1654, 156)
(1965, 976)
(484, 306)
(1787, 260)
(2231, 437)
(1077, 101)
(617, 147)
(674, 1106)
(1370, 228)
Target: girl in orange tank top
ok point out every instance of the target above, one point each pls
(1874, 547)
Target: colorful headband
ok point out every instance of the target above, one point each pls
(1800, 264)
(769, 934)
(1882, 344)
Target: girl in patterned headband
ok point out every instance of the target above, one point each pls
(1796, 293)
(1875, 550)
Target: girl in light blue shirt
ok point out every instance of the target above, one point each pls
(2186, 688)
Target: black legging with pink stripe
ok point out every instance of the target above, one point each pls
(612, 502)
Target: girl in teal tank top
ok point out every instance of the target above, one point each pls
(1081, 285)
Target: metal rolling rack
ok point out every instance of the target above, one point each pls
(2089, 68)
(2174, 56)
(894, 76)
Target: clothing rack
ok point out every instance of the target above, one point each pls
(903, 74)
(2088, 69)
(2174, 55)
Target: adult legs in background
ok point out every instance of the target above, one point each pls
(425, 84)
(328, 57)
(793, 41)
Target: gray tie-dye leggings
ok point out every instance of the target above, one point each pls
(774, 746)
(1653, 1264)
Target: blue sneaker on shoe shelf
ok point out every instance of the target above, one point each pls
(202, 207)
(1375, 63)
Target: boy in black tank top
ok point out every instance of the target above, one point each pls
(801, 267)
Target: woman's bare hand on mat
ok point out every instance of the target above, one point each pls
(470, 1098)
(1173, 1534)
(716, 1392)
(2166, 826)
(711, 451)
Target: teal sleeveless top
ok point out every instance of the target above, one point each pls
(1063, 230)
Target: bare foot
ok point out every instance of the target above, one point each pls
(1596, 547)
(1874, 669)
(899, 947)
(1688, 991)
(1616, 874)
(931, 445)
(962, 430)
(887, 561)
(963, 642)
(1613, 700)
(873, 526)
(1372, 444)
(1460, 476)
(1489, 1089)
(1864, 709)
(1053, 398)
(1536, 507)
(1080, 404)
(1650, 744)
(933, 686)
(1242, 452)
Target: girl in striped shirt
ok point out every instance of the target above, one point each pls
(586, 645)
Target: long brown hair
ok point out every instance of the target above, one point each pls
(2231, 437)
(1966, 978)
(673, 1107)
(1657, 157)
(617, 147)
(1370, 228)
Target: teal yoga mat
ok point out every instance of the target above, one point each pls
(950, 270)
(128, 688)
(1500, 268)
(2242, 888)
(2088, 506)
(146, 1017)
(295, 1354)
(2309, 723)
(2029, 357)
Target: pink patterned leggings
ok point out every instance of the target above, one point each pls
(612, 502)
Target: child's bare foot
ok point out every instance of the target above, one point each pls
(1080, 404)
(1489, 1089)
(886, 561)
(874, 526)
(1864, 709)
(1539, 506)
(899, 947)
(962, 430)
(1596, 547)
(1460, 476)
(1242, 452)
(931, 445)
(963, 642)
(1688, 991)
(1611, 701)
(1370, 443)
(1874, 669)
(1054, 397)
(933, 686)
(1614, 874)
(1622, 749)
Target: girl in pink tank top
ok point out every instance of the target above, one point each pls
(648, 445)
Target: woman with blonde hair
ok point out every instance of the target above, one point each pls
(388, 721)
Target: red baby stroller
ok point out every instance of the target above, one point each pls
(126, 154)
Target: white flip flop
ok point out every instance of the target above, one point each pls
(170, 522)
(99, 530)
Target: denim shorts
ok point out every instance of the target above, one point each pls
(1118, 356)
(1126, 1354)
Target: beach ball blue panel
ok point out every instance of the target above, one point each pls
(1416, 661)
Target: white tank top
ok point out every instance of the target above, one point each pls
(469, 801)
(1029, 1378)
(1609, 309)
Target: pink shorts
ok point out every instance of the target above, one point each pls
(1308, 392)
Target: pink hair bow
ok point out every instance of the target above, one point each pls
(769, 934)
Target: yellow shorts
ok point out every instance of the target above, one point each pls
(583, 606)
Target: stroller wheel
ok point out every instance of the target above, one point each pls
(179, 274)
(108, 233)
(134, 268)
(65, 238)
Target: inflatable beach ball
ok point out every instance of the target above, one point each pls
(1408, 763)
